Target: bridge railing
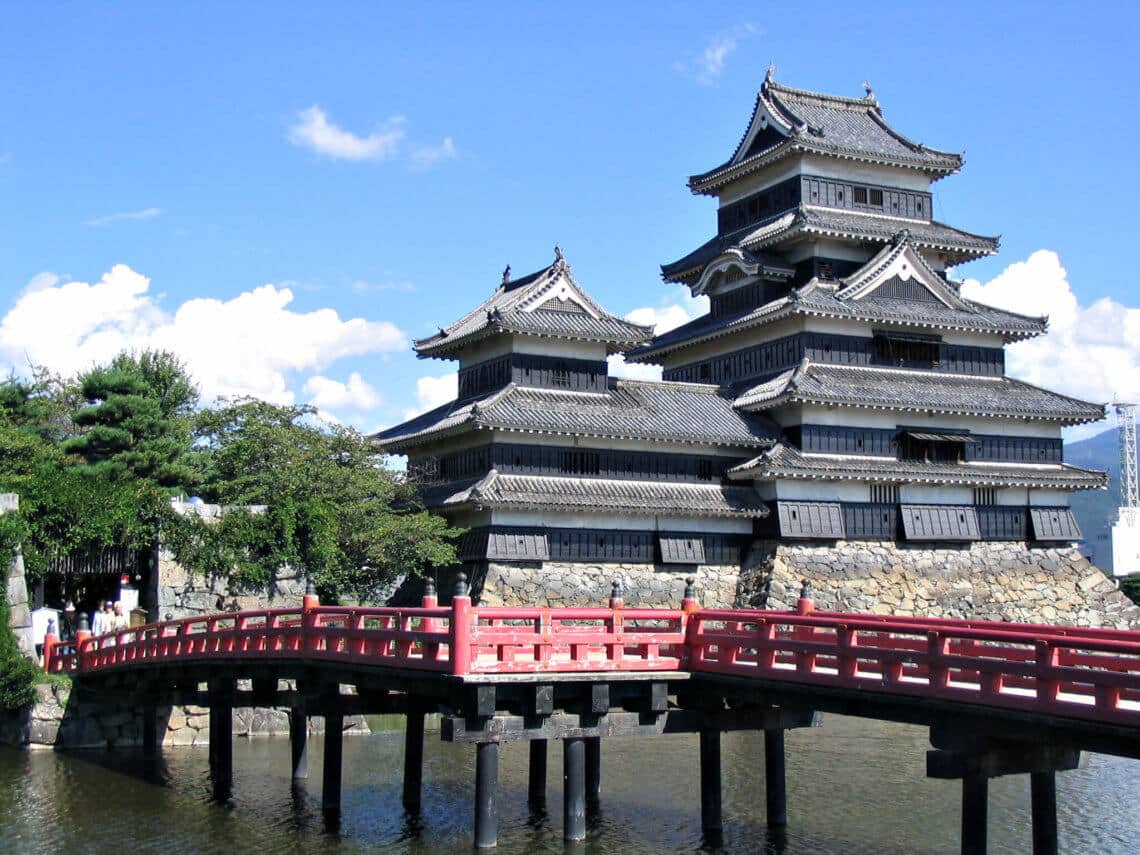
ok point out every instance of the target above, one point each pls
(1062, 671)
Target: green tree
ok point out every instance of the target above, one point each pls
(64, 506)
(331, 507)
(138, 419)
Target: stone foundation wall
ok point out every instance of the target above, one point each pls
(185, 593)
(16, 589)
(556, 584)
(987, 581)
(59, 720)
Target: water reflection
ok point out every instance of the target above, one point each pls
(853, 786)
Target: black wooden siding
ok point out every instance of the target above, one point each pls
(1001, 522)
(811, 520)
(525, 369)
(758, 206)
(870, 521)
(1054, 524)
(940, 522)
(770, 358)
(508, 543)
(883, 442)
(520, 459)
(831, 193)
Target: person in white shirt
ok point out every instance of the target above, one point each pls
(117, 621)
(99, 620)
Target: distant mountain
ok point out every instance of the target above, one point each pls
(1095, 510)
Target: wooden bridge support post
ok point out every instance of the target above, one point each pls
(220, 696)
(413, 759)
(486, 793)
(711, 823)
(299, 741)
(593, 769)
(1043, 798)
(774, 779)
(536, 785)
(975, 813)
(574, 788)
(334, 758)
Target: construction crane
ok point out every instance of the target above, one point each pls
(1126, 531)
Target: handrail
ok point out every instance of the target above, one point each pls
(1070, 671)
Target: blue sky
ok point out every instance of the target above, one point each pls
(245, 180)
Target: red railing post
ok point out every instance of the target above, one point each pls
(460, 634)
(690, 626)
(82, 637)
(805, 605)
(50, 641)
(615, 651)
(309, 604)
(1048, 688)
(430, 601)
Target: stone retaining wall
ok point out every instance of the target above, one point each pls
(987, 581)
(60, 720)
(186, 593)
(554, 584)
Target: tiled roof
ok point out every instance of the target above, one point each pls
(820, 299)
(630, 409)
(497, 490)
(916, 391)
(785, 461)
(548, 303)
(786, 120)
(956, 244)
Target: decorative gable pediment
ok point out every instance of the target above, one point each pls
(899, 272)
(559, 293)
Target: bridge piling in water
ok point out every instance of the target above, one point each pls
(331, 773)
(593, 770)
(486, 794)
(299, 741)
(1043, 807)
(711, 820)
(574, 788)
(536, 781)
(220, 696)
(775, 784)
(413, 758)
(150, 730)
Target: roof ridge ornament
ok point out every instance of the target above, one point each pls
(770, 74)
(507, 275)
(870, 97)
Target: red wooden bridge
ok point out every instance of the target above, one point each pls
(999, 697)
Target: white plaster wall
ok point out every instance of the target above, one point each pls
(823, 491)
(503, 344)
(930, 494)
(627, 522)
(620, 444)
(1126, 545)
(848, 417)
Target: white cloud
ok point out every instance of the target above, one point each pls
(313, 130)
(432, 392)
(707, 66)
(674, 310)
(108, 219)
(1090, 352)
(354, 395)
(251, 344)
(427, 156)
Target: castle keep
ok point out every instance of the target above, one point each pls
(840, 392)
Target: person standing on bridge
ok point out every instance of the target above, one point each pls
(117, 622)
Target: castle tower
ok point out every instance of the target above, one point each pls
(833, 314)
(548, 461)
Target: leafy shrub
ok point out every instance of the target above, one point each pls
(18, 675)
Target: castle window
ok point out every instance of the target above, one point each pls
(705, 470)
(933, 447)
(876, 198)
(560, 376)
(985, 495)
(913, 351)
(885, 494)
(859, 195)
(579, 462)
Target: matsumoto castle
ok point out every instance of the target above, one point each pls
(840, 387)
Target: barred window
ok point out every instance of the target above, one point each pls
(885, 494)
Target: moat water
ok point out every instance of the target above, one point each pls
(853, 786)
